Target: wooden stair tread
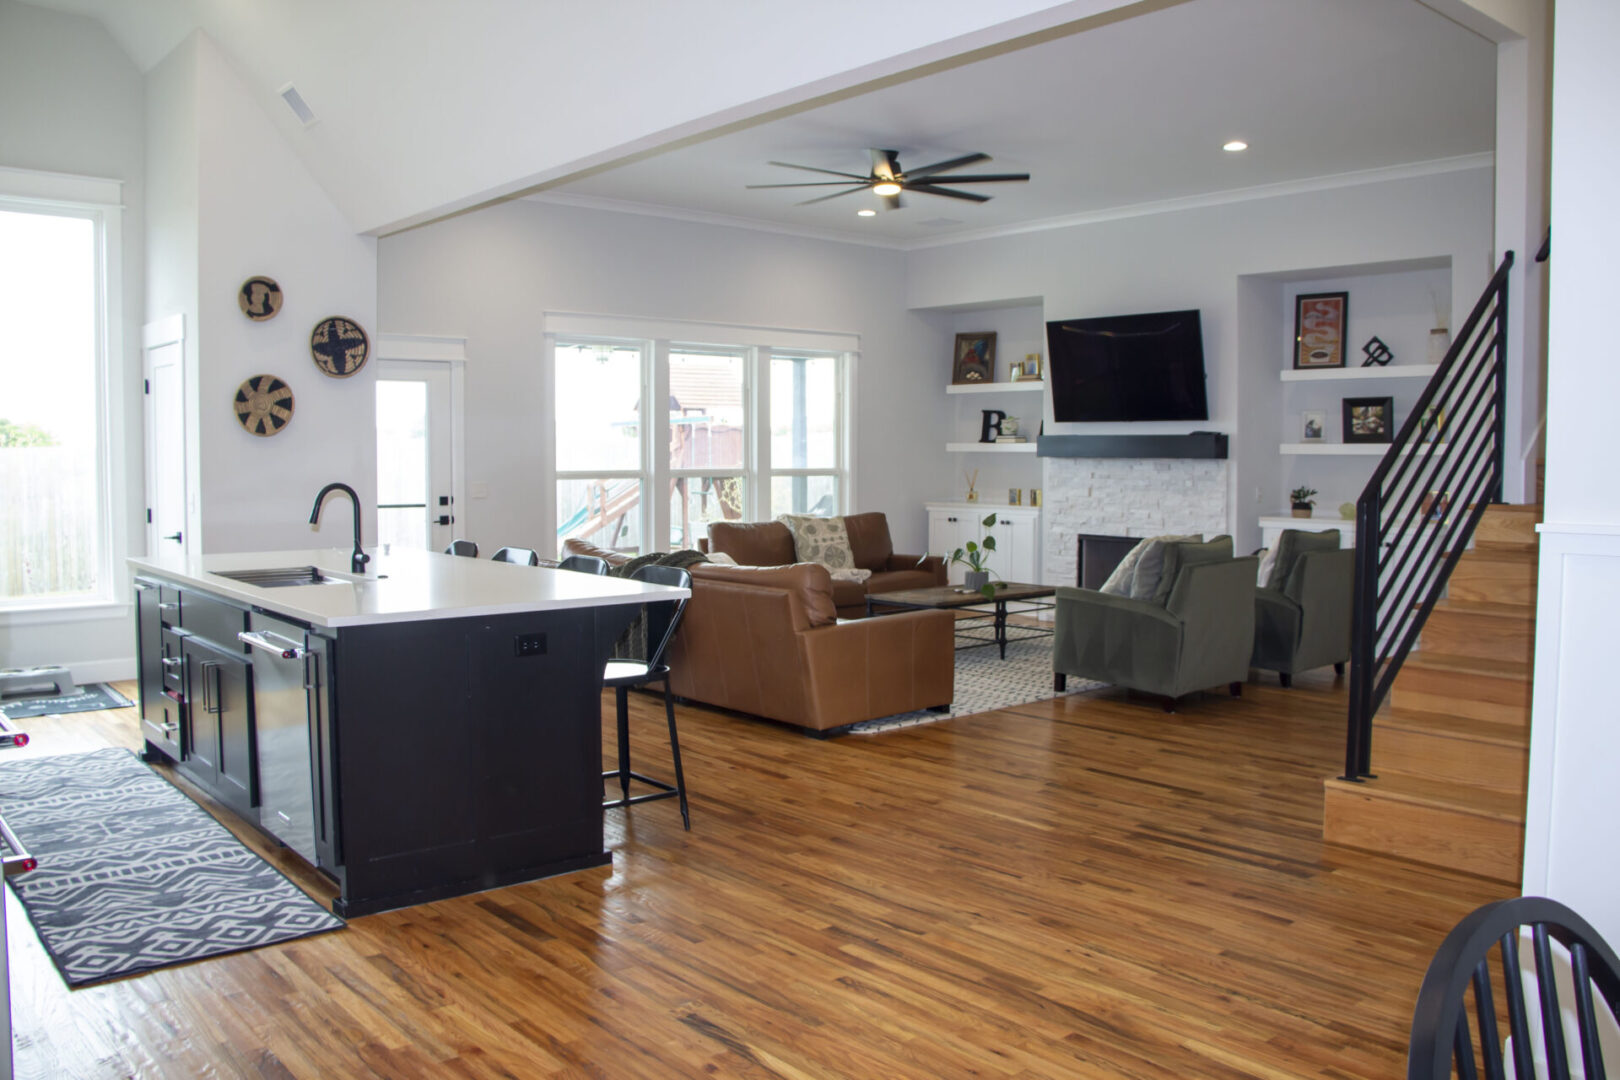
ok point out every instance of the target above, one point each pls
(1452, 726)
(1511, 508)
(1439, 795)
(1511, 554)
(1468, 665)
(1491, 608)
(1504, 547)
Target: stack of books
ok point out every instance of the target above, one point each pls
(1011, 438)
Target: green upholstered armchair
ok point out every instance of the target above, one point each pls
(1197, 636)
(1302, 617)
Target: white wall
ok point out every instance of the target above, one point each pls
(1194, 258)
(73, 104)
(488, 276)
(260, 211)
(1575, 742)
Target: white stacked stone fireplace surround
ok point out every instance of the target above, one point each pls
(1126, 497)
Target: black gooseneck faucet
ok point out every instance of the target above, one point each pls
(357, 563)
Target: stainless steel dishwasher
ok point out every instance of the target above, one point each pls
(281, 713)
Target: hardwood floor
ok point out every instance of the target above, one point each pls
(1087, 887)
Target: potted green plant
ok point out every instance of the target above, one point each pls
(1301, 500)
(974, 556)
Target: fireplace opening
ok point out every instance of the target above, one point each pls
(1099, 555)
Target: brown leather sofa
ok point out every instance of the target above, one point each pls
(769, 543)
(766, 640)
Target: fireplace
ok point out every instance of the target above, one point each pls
(1099, 555)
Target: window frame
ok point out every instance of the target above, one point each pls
(657, 340)
(100, 201)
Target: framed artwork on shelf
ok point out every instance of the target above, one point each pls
(1026, 370)
(1369, 419)
(975, 358)
(1312, 425)
(1319, 325)
(1432, 427)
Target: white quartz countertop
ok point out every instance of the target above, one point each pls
(403, 586)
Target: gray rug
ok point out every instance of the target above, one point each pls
(88, 699)
(985, 682)
(133, 875)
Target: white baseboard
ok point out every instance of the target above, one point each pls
(94, 671)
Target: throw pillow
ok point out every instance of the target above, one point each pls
(1268, 559)
(821, 540)
(1291, 545)
(1179, 556)
(1150, 567)
(1119, 582)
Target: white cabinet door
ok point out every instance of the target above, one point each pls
(949, 529)
(1017, 535)
(1017, 530)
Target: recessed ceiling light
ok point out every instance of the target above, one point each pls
(1235, 146)
(866, 213)
(888, 187)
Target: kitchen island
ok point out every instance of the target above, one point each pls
(428, 728)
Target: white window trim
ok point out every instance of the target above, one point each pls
(656, 337)
(100, 200)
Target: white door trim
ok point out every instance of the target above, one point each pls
(403, 351)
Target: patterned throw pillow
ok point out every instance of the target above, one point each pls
(821, 540)
(1119, 582)
(1150, 564)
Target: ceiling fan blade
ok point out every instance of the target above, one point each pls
(985, 178)
(891, 202)
(885, 163)
(812, 168)
(811, 183)
(834, 195)
(946, 166)
(929, 189)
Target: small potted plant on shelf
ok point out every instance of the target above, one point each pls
(974, 556)
(1301, 499)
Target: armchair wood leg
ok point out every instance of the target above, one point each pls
(1236, 689)
(1286, 679)
(1059, 681)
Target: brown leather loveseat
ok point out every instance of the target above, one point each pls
(769, 543)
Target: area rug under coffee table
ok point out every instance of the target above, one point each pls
(133, 875)
(985, 682)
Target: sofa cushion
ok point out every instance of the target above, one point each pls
(869, 539)
(849, 594)
(757, 543)
(821, 540)
(810, 581)
(1293, 543)
(1180, 555)
(895, 580)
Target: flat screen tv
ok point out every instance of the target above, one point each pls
(1127, 367)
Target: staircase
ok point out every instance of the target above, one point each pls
(1452, 741)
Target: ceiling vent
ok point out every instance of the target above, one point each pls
(295, 102)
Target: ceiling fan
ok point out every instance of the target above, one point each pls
(888, 179)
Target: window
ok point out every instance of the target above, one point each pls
(55, 545)
(747, 432)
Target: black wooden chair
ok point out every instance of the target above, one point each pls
(521, 556)
(661, 621)
(1441, 1031)
(462, 547)
(584, 564)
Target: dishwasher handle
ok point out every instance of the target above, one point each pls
(19, 863)
(286, 648)
(11, 734)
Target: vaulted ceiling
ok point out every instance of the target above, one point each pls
(425, 108)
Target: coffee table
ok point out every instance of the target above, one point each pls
(950, 597)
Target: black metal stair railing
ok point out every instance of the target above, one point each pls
(1424, 500)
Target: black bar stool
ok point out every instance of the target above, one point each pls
(584, 564)
(661, 620)
(462, 547)
(521, 556)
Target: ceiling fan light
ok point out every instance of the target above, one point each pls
(1235, 146)
(888, 187)
(866, 213)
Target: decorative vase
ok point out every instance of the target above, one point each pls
(974, 580)
(1439, 344)
(1301, 511)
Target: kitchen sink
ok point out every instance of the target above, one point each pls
(283, 576)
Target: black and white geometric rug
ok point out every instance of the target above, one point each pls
(133, 875)
(984, 682)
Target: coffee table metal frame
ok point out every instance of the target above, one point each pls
(952, 598)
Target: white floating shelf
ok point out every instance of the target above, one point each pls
(1394, 371)
(1316, 522)
(1328, 449)
(990, 448)
(1025, 386)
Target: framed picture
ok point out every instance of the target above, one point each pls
(1432, 427)
(1319, 325)
(1369, 419)
(1312, 426)
(975, 358)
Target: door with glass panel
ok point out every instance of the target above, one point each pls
(415, 501)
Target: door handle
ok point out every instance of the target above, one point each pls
(446, 519)
(175, 537)
(211, 702)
